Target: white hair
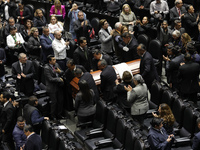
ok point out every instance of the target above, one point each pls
(117, 25)
(176, 33)
(177, 1)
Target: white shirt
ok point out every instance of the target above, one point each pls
(11, 42)
(60, 48)
(4, 105)
(55, 27)
(6, 12)
(30, 135)
(21, 66)
(161, 7)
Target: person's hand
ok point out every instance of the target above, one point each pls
(3, 131)
(82, 23)
(170, 85)
(141, 7)
(170, 137)
(22, 17)
(166, 58)
(40, 46)
(4, 24)
(166, 45)
(67, 43)
(86, 22)
(125, 48)
(15, 104)
(112, 31)
(199, 26)
(23, 75)
(18, 76)
(1, 62)
(182, 15)
(57, 70)
(154, 114)
(91, 70)
(18, 17)
(156, 12)
(116, 82)
(182, 63)
(128, 88)
(130, 23)
(46, 118)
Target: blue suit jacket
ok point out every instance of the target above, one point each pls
(196, 142)
(34, 142)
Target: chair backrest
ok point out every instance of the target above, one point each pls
(178, 110)
(54, 140)
(32, 10)
(46, 129)
(156, 92)
(143, 38)
(168, 98)
(95, 24)
(139, 145)
(130, 139)
(121, 131)
(155, 49)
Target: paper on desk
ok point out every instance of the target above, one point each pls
(120, 68)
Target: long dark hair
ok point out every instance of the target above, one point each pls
(85, 90)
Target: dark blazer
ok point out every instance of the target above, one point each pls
(46, 44)
(39, 23)
(24, 33)
(132, 53)
(196, 142)
(191, 26)
(69, 75)
(11, 8)
(174, 15)
(89, 78)
(145, 3)
(95, 61)
(82, 31)
(80, 59)
(3, 59)
(189, 78)
(26, 14)
(7, 29)
(34, 142)
(26, 85)
(34, 46)
(147, 69)
(108, 77)
(53, 82)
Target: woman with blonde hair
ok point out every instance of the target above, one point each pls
(57, 9)
(55, 25)
(39, 20)
(166, 114)
(127, 17)
(185, 38)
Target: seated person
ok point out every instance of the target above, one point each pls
(55, 25)
(22, 13)
(18, 133)
(112, 5)
(26, 30)
(178, 26)
(58, 9)
(98, 55)
(39, 20)
(142, 4)
(185, 38)
(142, 27)
(32, 114)
(85, 107)
(34, 47)
(138, 98)
(176, 38)
(127, 17)
(158, 137)
(11, 23)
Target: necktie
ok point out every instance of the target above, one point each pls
(85, 54)
(179, 12)
(24, 67)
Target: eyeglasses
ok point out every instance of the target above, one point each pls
(36, 31)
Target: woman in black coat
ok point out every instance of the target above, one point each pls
(34, 47)
(39, 21)
(26, 31)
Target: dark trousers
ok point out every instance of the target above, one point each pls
(62, 63)
(56, 102)
(8, 142)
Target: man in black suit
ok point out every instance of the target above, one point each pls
(81, 27)
(11, 23)
(98, 55)
(108, 77)
(191, 22)
(89, 78)
(54, 84)
(177, 12)
(129, 52)
(81, 55)
(147, 68)
(7, 120)
(23, 71)
(172, 67)
(34, 141)
(188, 75)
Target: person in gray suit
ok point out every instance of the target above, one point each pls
(105, 37)
(137, 96)
(54, 83)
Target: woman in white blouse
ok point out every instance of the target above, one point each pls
(55, 25)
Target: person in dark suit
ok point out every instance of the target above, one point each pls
(188, 74)
(191, 22)
(108, 77)
(196, 139)
(147, 68)
(23, 71)
(11, 23)
(89, 78)
(98, 55)
(69, 75)
(81, 27)
(46, 43)
(129, 52)
(7, 120)
(81, 55)
(39, 20)
(177, 12)
(54, 84)
(172, 67)
(34, 141)
(121, 92)
(11, 7)
(142, 4)
(2, 62)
